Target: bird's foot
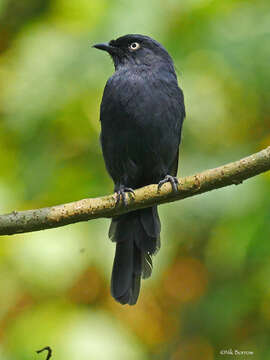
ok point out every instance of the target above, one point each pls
(172, 179)
(121, 194)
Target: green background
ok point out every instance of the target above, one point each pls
(210, 289)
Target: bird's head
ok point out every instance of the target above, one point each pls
(136, 49)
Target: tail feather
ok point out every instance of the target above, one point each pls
(150, 221)
(137, 237)
(148, 231)
(136, 276)
(122, 268)
(147, 265)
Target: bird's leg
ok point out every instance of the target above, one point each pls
(172, 179)
(121, 193)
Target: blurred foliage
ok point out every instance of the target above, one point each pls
(211, 289)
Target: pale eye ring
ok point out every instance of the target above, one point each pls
(134, 46)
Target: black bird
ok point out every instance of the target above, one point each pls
(141, 114)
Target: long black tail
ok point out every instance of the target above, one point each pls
(137, 237)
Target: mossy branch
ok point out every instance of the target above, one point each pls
(88, 209)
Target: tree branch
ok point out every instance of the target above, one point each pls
(87, 209)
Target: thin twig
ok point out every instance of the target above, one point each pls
(47, 348)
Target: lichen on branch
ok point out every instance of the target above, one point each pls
(87, 209)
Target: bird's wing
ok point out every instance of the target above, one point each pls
(174, 166)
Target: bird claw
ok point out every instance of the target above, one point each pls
(121, 193)
(171, 179)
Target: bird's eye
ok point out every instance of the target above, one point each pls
(134, 46)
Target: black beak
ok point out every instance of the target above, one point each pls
(105, 46)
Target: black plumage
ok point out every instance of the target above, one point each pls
(141, 115)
